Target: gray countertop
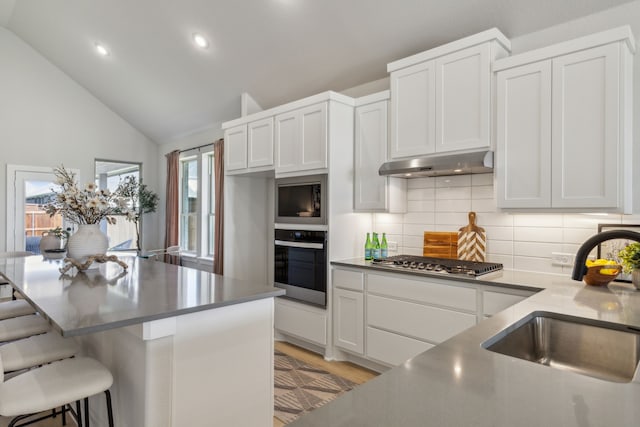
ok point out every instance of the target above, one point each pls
(458, 383)
(109, 297)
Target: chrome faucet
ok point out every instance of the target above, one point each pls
(579, 268)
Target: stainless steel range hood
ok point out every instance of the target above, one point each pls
(440, 165)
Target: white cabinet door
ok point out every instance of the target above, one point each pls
(236, 148)
(413, 103)
(287, 142)
(585, 128)
(260, 141)
(463, 99)
(393, 349)
(524, 136)
(301, 139)
(313, 137)
(370, 154)
(349, 320)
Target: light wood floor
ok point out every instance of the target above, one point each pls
(346, 370)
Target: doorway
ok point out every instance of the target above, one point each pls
(29, 188)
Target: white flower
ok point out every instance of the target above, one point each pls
(93, 203)
(90, 186)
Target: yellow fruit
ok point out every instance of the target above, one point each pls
(609, 271)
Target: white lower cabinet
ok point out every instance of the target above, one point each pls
(301, 321)
(419, 321)
(388, 318)
(348, 326)
(392, 349)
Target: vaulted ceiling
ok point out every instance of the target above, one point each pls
(275, 50)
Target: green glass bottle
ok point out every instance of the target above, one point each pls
(368, 249)
(384, 247)
(376, 247)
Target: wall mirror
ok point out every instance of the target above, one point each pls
(108, 174)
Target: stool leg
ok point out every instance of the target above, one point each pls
(109, 408)
(78, 414)
(86, 412)
(64, 415)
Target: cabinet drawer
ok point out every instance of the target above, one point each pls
(416, 320)
(392, 349)
(423, 291)
(301, 321)
(498, 301)
(346, 279)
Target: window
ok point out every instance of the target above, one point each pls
(109, 174)
(197, 203)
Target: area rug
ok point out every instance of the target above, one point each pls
(301, 388)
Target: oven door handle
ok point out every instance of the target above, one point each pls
(304, 245)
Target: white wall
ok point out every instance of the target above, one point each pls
(47, 119)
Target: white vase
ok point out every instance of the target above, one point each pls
(87, 241)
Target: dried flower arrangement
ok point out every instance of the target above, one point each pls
(89, 205)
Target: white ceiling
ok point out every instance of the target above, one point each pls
(275, 50)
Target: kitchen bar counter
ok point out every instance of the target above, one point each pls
(185, 347)
(458, 383)
(109, 297)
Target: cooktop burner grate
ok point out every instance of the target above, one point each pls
(427, 264)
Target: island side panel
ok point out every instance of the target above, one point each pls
(223, 366)
(214, 367)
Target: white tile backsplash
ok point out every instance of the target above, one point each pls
(453, 181)
(519, 241)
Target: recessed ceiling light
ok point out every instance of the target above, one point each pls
(457, 170)
(200, 41)
(102, 51)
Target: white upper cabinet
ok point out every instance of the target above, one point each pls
(413, 106)
(463, 99)
(301, 139)
(585, 127)
(249, 147)
(441, 98)
(236, 148)
(374, 192)
(564, 125)
(260, 142)
(524, 136)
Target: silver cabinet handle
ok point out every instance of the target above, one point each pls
(299, 244)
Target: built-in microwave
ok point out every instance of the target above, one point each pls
(301, 200)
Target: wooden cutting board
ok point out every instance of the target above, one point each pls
(472, 241)
(440, 244)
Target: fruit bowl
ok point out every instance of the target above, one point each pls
(601, 275)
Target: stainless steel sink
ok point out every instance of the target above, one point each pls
(588, 347)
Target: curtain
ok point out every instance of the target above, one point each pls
(218, 182)
(172, 214)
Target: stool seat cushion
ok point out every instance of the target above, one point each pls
(53, 385)
(36, 350)
(23, 326)
(15, 308)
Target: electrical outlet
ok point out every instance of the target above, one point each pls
(561, 258)
(392, 246)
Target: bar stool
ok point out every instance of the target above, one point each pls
(22, 327)
(55, 385)
(35, 351)
(15, 308)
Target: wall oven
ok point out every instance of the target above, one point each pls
(301, 265)
(301, 200)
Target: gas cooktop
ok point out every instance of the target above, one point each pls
(438, 265)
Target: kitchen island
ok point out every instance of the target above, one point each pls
(460, 383)
(185, 347)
